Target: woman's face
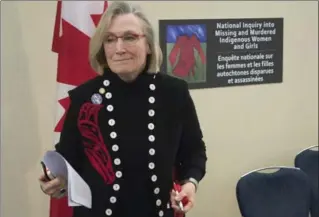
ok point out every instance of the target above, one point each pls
(125, 45)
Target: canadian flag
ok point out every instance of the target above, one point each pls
(75, 23)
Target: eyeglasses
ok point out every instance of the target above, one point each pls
(128, 39)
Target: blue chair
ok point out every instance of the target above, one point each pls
(308, 161)
(283, 193)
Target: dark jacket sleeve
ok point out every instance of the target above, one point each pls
(70, 146)
(192, 151)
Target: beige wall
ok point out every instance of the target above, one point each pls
(245, 127)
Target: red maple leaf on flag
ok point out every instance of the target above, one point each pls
(69, 78)
(65, 103)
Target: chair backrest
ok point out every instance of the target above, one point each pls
(286, 192)
(308, 161)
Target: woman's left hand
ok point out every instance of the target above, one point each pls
(189, 191)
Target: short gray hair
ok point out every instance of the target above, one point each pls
(96, 50)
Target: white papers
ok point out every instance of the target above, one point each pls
(79, 193)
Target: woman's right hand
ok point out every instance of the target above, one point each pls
(54, 188)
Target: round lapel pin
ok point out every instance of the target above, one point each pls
(96, 98)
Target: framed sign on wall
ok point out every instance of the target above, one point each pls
(215, 53)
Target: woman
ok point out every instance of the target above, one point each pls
(130, 128)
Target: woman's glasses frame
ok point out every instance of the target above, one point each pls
(128, 39)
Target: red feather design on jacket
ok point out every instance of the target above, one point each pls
(94, 146)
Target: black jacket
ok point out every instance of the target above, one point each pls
(130, 171)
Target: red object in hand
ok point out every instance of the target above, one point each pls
(178, 188)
